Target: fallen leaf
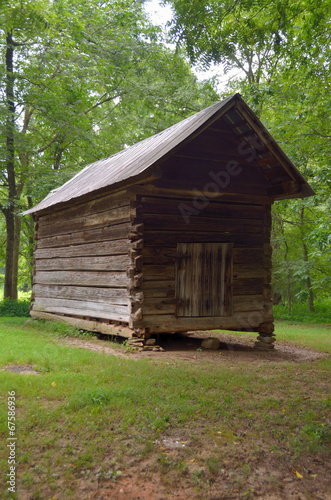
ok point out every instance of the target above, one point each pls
(300, 476)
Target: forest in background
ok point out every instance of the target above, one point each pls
(81, 80)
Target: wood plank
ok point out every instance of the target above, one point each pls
(168, 255)
(90, 221)
(239, 321)
(248, 255)
(242, 271)
(158, 238)
(91, 326)
(82, 308)
(109, 295)
(109, 263)
(170, 206)
(202, 224)
(246, 303)
(204, 279)
(90, 206)
(117, 232)
(99, 279)
(115, 247)
(162, 289)
(225, 170)
(247, 186)
(159, 306)
(180, 191)
(161, 272)
(248, 286)
(159, 255)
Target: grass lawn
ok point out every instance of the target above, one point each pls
(94, 425)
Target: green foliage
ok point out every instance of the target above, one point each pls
(89, 78)
(282, 52)
(299, 313)
(12, 308)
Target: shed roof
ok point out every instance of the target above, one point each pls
(136, 159)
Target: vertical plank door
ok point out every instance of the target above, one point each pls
(204, 279)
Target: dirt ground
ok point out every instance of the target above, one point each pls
(233, 348)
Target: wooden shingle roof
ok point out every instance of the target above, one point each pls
(133, 161)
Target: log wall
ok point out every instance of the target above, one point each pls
(246, 225)
(112, 260)
(81, 260)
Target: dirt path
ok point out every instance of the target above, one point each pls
(234, 348)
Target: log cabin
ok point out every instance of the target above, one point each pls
(171, 234)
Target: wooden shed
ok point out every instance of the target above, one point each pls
(171, 234)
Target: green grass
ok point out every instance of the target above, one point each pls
(88, 415)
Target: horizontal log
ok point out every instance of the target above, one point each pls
(137, 245)
(202, 224)
(246, 186)
(159, 306)
(136, 231)
(154, 306)
(245, 303)
(168, 255)
(161, 272)
(170, 206)
(99, 279)
(109, 295)
(157, 238)
(112, 247)
(82, 308)
(243, 271)
(91, 326)
(159, 255)
(89, 221)
(171, 190)
(109, 263)
(162, 289)
(91, 206)
(214, 178)
(117, 232)
(239, 321)
(137, 280)
(248, 255)
(248, 286)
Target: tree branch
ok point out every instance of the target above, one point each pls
(96, 105)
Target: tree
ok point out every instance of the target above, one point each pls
(281, 51)
(74, 71)
(11, 17)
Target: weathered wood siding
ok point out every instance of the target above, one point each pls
(81, 260)
(246, 226)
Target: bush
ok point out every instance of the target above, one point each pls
(300, 312)
(13, 308)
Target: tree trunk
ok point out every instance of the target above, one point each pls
(12, 223)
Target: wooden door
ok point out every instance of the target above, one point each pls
(204, 279)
